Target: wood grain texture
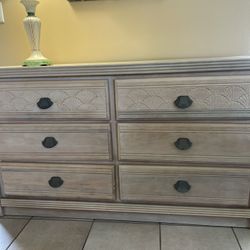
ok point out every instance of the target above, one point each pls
(194, 238)
(72, 98)
(75, 142)
(143, 93)
(52, 234)
(9, 229)
(153, 98)
(123, 236)
(89, 182)
(128, 208)
(213, 143)
(209, 186)
(243, 236)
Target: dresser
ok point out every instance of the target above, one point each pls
(165, 141)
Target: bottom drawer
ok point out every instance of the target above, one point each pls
(185, 185)
(58, 181)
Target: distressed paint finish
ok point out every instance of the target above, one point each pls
(117, 130)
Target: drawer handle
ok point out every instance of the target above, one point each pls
(45, 103)
(55, 182)
(49, 142)
(183, 144)
(182, 186)
(183, 102)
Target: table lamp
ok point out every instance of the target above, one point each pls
(32, 26)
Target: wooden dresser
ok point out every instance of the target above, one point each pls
(161, 141)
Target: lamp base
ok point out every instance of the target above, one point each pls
(36, 63)
(36, 60)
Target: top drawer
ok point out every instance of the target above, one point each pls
(183, 97)
(54, 99)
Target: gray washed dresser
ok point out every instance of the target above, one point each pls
(161, 141)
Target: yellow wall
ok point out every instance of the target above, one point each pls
(121, 30)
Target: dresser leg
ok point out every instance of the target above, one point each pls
(1, 212)
(248, 223)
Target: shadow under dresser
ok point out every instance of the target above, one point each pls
(164, 141)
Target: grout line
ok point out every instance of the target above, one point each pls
(61, 218)
(19, 233)
(160, 241)
(88, 234)
(235, 235)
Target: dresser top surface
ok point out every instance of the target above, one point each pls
(218, 64)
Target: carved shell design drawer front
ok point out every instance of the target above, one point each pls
(73, 99)
(210, 94)
(64, 100)
(162, 98)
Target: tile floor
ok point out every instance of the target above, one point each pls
(60, 234)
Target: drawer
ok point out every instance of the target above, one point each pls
(185, 142)
(55, 99)
(58, 181)
(185, 185)
(55, 142)
(183, 97)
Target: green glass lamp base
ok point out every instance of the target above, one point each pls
(37, 63)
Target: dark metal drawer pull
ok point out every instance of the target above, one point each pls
(55, 182)
(45, 103)
(183, 102)
(49, 142)
(182, 186)
(183, 144)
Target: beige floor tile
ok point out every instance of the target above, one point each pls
(243, 236)
(197, 238)
(123, 236)
(9, 229)
(52, 235)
